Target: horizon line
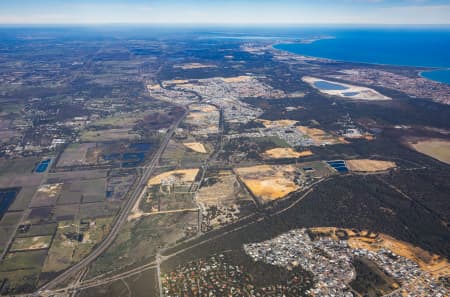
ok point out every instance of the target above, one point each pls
(201, 24)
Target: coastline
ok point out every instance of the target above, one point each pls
(421, 69)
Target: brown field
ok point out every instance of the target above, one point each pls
(436, 148)
(320, 137)
(277, 124)
(269, 182)
(189, 66)
(366, 165)
(236, 79)
(75, 154)
(181, 175)
(109, 135)
(31, 243)
(284, 153)
(224, 192)
(46, 195)
(196, 147)
(67, 250)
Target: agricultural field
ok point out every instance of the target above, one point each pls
(139, 240)
(18, 166)
(47, 195)
(179, 154)
(31, 243)
(118, 184)
(109, 135)
(367, 165)
(435, 148)
(8, 225)
(73, 241)
(20, 271)
(79, 154)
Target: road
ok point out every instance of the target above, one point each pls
(138, 191)
(97, 281)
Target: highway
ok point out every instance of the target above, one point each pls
(138, 191)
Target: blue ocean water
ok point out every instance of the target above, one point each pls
(427, 47)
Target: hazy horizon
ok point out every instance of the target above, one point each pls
(248, 12)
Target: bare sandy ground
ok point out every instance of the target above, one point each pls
(285, 153)
(435, 148)
(196, 147)
(181, 175)
(366, 165)
(269, 182)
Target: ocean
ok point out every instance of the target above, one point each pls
(421, 47)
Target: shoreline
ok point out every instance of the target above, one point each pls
(419, 69)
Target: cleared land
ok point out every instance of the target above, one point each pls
(434, 264)
(189, 66)
(196, 147)
(320, 137)
(367, 165)
(277, 124)
(344, 90)
(73, 241)
(75, 154)
(180, 176)
(167, 192)
(204, 119)
(31, 243)
(225, 190)
(46, 195)
(285, 153)
(269, 182)
(109, 135)
(436, 148)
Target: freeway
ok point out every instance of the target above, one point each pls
(138, 191)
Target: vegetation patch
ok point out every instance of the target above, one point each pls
(31, 243)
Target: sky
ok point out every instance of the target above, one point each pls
(227, 12)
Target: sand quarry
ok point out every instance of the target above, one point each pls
(269, 182)
(285, 153)
(196, 147)
(179, 176)
(346, 90)
(366, 165)
(436, 148)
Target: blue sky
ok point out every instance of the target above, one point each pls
(225, 11)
